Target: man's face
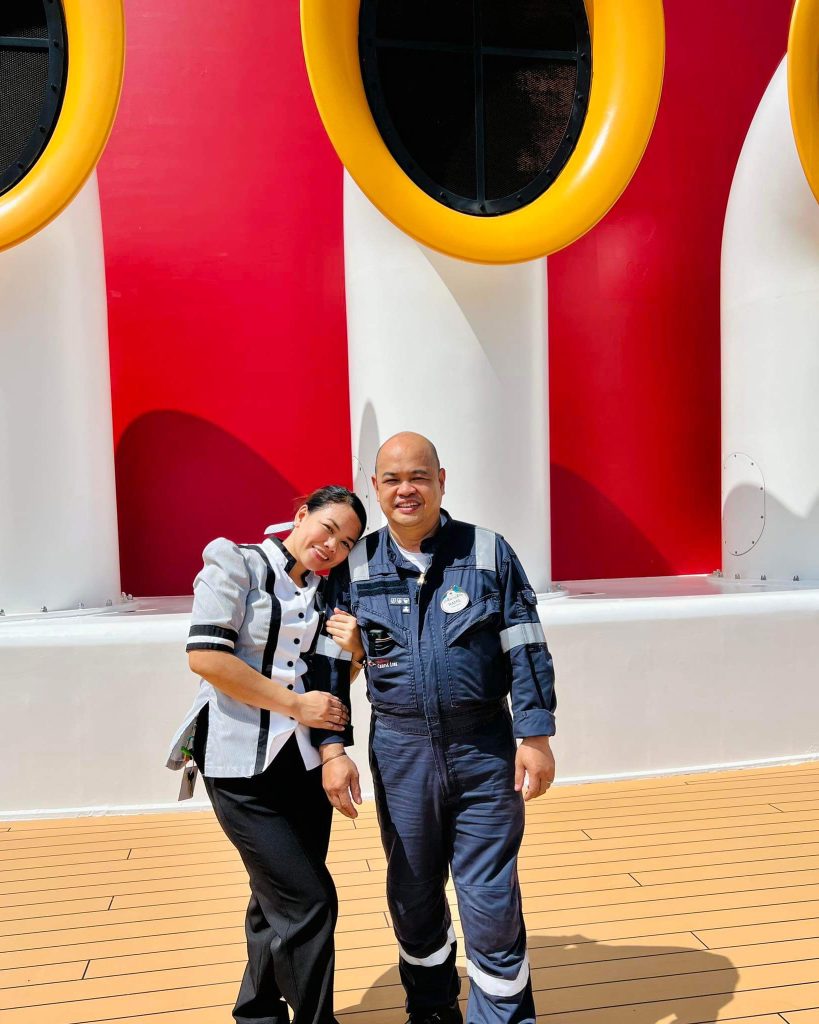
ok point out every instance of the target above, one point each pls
(409, 486)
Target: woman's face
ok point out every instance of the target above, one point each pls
(322, 539)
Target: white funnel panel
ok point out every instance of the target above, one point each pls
(458, 352)
(58, 521)
(770, 355)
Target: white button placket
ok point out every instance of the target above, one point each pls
(299, 624)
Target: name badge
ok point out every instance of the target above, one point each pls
(454, 600)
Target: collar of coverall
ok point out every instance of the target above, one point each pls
(429, 545)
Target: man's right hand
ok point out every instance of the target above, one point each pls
(320, 710)
(339, 776)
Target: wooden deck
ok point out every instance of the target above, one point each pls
(669, 901)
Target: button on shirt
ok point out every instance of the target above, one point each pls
(246, 604)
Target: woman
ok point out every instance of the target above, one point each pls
(256, 615)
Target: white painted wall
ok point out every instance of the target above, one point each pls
(659, 685)
(770, 355)
(58, 517)
(458, 352)
(645, 685)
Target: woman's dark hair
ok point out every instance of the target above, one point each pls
(334, 495)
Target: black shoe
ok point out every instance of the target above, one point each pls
(443, 1015)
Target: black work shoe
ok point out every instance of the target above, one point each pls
(443, 1015)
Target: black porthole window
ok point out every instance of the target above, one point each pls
(481, 102)
(33, 64)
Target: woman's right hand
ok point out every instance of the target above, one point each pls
(320, 710)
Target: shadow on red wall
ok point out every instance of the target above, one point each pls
(580, 511)
(187, 482)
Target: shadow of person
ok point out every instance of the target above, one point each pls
(577, 980)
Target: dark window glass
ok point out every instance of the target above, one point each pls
(23, 81)
(438, 21)
(528, 104)
(481, 102)
(430, 97)
(23, 18)
(529, 24)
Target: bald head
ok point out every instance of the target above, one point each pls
(408, 441)
(409, 483)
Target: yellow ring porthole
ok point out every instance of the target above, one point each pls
(95, 30)
(803, 86)
(628, 54)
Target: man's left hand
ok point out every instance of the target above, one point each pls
(535, 759)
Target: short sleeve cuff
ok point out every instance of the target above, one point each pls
(212, 638)
(538, 722)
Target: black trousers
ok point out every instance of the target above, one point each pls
(279, 822)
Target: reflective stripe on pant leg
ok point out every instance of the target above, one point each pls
(440, 956)
(412, 818)
(489, 822)
(503, 987)
(497, 961)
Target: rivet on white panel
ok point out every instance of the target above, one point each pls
(743, 503)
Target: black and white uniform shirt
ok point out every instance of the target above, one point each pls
(245, 603)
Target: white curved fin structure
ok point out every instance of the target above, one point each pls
(459, 352)
(58, 518)
(770, 355)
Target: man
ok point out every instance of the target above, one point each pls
(450, 629)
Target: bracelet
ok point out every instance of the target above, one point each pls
(329, 759)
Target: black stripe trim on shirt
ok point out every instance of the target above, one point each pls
(269, 652)
(289, 560)
(321, 607)
(203, 645)
(221, 631)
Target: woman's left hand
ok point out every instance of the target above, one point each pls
(343, 628)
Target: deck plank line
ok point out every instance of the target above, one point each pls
(632, 890)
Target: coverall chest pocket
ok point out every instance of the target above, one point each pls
(390, 676)
(473, 651)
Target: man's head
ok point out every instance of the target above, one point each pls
(409, 483)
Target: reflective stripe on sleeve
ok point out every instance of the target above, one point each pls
(440, 956)
(329, 648)
(525, 633)
(359, 563)
(501, 987)
(484, 549)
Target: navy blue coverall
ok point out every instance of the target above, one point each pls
(442, 751)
